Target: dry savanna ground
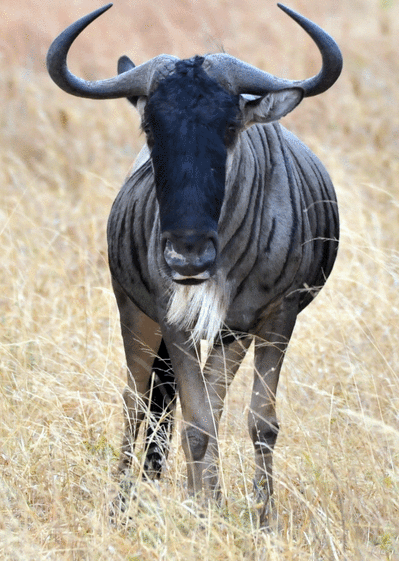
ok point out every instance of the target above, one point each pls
(62, 161)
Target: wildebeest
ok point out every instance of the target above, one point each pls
(226, 229)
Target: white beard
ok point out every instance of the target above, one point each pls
(200, 308)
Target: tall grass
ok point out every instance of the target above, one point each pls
(62, 161)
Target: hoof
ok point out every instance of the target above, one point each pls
(263, 504)
(120, 503)
(133, 497)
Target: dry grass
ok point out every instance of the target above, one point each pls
(61, 363)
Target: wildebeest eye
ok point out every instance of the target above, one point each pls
(148, 133)
(146, 129)
(231, 132)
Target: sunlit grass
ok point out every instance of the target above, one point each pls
(62, 161)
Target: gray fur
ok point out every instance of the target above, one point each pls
(282, 210)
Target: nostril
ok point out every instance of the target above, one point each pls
(172, 256)
(208, 253)
(164, 241)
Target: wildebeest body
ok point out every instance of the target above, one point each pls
(226, 228)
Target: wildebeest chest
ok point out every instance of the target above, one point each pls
(266, 242)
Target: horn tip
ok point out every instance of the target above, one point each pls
(97, 13)
(107, 7)
(285, 8)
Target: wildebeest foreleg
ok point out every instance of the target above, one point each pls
(198, 427)
(161, 419)
(220, 369)
(141, 339)
(262, 421)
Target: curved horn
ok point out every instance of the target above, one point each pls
(240, 77)
(137, 81)
(330, 53)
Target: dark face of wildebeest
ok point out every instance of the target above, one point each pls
(190, 121)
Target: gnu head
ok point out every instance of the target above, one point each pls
(192, 111)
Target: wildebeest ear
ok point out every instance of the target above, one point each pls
(271, 107)
(140, 104)
(124, 65)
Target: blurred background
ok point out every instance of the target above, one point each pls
(62, 161)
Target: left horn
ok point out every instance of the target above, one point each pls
(137, 81)
(240, 77)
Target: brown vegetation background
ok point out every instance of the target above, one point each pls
(62, 161)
